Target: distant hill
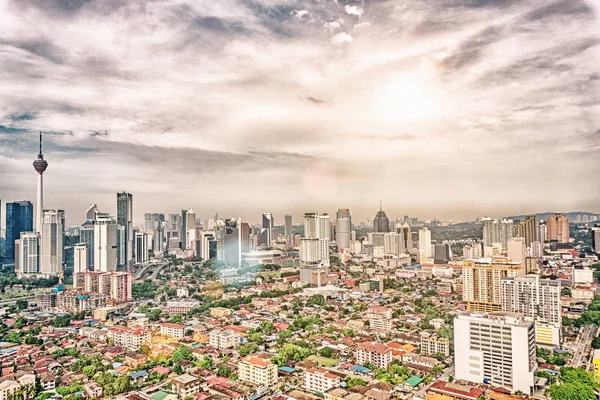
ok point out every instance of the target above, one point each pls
(544, 216)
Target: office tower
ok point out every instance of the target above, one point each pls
(121, 257)
(393, 243)
(497, 231)
(516, 250)
(40, 166)
(542, 232)
(527, 229)
(442, 254)
(558, 228)
(208, 245)
(245, 237)
(27, 253)
(596, 239)
(191, 219)
(86, 235)
(314, 247)
(406, 231)
(288, 230)
(91, 212)
(52, 245)
(148, 222)
(183, 231)
(80, 258)
(105, 243)
(481, 281)
(425, 242)
(159, 237)
(497, 348)
(125, 218)
(381, 223)
(19, 218)
(266, 233)
(229, 241)
(343, 226)
(472, 251)
(141, 247)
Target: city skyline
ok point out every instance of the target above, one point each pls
(423, 107)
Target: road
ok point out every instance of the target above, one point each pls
(10, 302)
(157, 265)
(582, 346)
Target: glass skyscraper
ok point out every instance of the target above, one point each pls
(19, 218)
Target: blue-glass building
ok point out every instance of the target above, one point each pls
(19, 218)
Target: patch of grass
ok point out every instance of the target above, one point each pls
(323, 361)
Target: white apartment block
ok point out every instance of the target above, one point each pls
(105, 244)
(257, 370)
(116, 285)
(431, 345)
(224, 339)
(181, 306)
(80, 258)
(320, 380)
(497, 348)
(128, 338)
(172, 330)
(375, 353)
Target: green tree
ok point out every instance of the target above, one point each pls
(182, 353)
(22, 304)
(206, 363)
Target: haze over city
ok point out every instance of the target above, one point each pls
(441, 109)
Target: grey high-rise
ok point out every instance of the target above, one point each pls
(343, 226)
(381, 223)
(288, 230)
(266, 233)
(19, 218)
(125, 218)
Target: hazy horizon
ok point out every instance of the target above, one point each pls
(440, 109)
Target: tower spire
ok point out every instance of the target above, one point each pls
(380, 203)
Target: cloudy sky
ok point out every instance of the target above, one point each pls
(439, 108)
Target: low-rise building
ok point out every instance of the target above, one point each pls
(320, 380)
(172, 330)
(186, 385)
(224, 339)
(432, 344)
(128, 338)
(257, 370)
(375, 353)
(181, 306)
(219, 312)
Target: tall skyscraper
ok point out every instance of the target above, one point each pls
(105, 241)
(497, 231)
(288, 231)
(343, 226)
(19, 218)
(481, 282)
(381, 222)
(52, 244)
(27, 254)
(229, 241)
(266, 232)
(183, 231)
(159, 237)
(528, 229)
(558, 228)
(141, 247)
(125, 218)
(91, 212)
(80, 258)
(425, 242)
(497, 348)
(40, 166)
(406, 231)
(86, 235)
(542, 232)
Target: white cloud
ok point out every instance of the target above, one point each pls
(341, 38)
(354, 10)
(362, 25)
(301, 14)
(334, 25)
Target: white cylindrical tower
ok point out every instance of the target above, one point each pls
(40, 166)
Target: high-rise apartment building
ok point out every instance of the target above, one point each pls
(266, 232)
(19, 218)
(496, 348)
(538, 299)
(472, 251)
(27, 253)
(542, 232)
(425, 243)
(497, 231)
(343, 226)
(527, 229)
(314, 247)
(52, 245)
(558, 228)
(406, 231)
(516, 250)
(482, 281)
(105, 243)
(381, 222)
(125, 218)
